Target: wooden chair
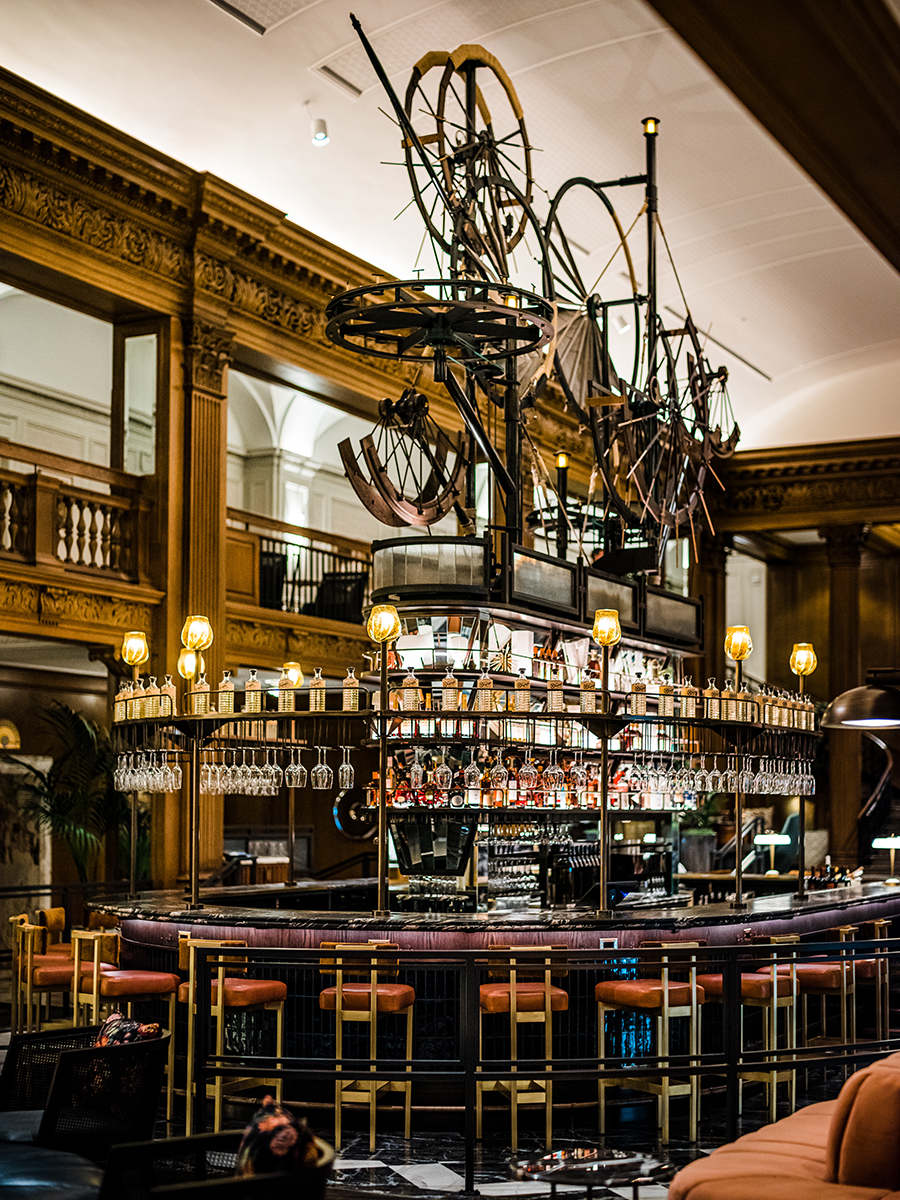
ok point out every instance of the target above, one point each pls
(236, 991)
(361, 993)
(526, 994)
(54, 921)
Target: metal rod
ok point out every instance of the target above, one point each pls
(562, 528)
(485, 445)
(801, 839)
(194, 825)
(132, 894)
(651, 194)
(604, 784)
(383, 909)
(739, 901)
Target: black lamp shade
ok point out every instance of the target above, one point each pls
(864, 708)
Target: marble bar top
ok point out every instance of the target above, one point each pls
(717, 924)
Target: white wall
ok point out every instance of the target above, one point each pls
(745, 604)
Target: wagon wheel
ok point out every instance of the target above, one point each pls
(655, 449)
(463, 140)
(416, 471)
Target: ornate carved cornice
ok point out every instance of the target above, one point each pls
(209, 355)
(32, 606)
(800, 487)
(271, 638)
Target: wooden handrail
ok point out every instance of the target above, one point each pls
(349, 546)
(69, 466)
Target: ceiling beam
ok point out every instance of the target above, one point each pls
(823, 76)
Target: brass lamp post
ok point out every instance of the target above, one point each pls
(803, 663)
(294, 672)
(607, 632)
(383, 627)
(196, 635)
(738, 646)
(135, 652)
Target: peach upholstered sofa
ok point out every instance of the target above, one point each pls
(844, 1149)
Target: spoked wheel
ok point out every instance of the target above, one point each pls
(655, 449)
(583, 361)
(462, 141)
(416, 471)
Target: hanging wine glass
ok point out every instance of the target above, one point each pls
(275, 771)
(322, 775)
(730, 779)
(499, 774)
(255, 784)
(443, 776)
(295, 776)
(472, 775)
(554, 776)
(527, 775)
(715, 778)
(416, 773)
(701, 777)
(175, 775)
(578, 775)
(346, 774)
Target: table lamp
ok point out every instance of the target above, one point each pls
(888, 843)
(772, 840)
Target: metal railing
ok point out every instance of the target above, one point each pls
(450, 1058)
(47, 521)
(302, 570)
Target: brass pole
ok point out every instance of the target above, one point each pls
(802, 893)
(739, 901)
(603, 910)
(383, 909)
(194, 825)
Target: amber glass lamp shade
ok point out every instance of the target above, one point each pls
(135, 649)
(383, 624)
(294, 673)
(803, 658)
(190, 663)
(738, 643)
(607, 630)
(197, 634)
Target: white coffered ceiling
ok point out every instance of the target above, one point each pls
(770, 267)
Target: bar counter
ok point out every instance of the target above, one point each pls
(156, 918)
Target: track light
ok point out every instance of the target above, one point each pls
(319, 132)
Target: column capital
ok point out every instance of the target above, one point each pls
(843, 544)
(208, 354)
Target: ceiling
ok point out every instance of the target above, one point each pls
(772, 269)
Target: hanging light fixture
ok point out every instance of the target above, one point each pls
(383, 624)
(190, 664)
(607, 630)
(135, 650)
(803, 660)
(738, 643)
(197, 634)
(294, 673)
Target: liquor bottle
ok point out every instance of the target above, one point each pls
(351, 692)
(727, 703)
(744, 706)
(588, 694)
(555, 697)
(226, 693)
(712, 702)
(253, 693)
(689, 698)
(638, 698)
(151, 698)
(119, 707)
(200, 696)
(167, 698)
(139, 693)
(522, 689)
(286, 693)
(484, 692)
(317, 692)
(449, 692)
(667, 699)
(410, 695)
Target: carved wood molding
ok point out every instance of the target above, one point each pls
(267, 638)
(35, 607)
(799, 487)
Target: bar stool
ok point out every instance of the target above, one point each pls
(54, 921)
(15, 980)
(103, 985)
(822, 977)
(235, 993)
(36, 974)
(364, 999)
(527, 996)
(667, 999)
(880, 978)
(769, 995)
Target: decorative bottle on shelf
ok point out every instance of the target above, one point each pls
(555, 697)
(588, 694)
(286, 694)
(449, 692)
(200, 696)
(351, 692)
(119, 706)
(712, 701)
(317, 691)
(689, 698)
(744, 706)
(410, 696)
(151, 698)
(484, 692)
(140, 689)
(638, 698)
(226, 693)
(167, 698)
(522, 689)
(253, 693)
(727, 707)
(667, 699)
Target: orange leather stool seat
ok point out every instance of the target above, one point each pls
(50, 972)
(494, 998)
(126, 984)
(645, 993)
(866, 968)
(754, 986)
(357, 997)
(242, 993)
(813, 976)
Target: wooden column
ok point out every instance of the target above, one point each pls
(707, 580)
(844, 671)
(208, 349)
